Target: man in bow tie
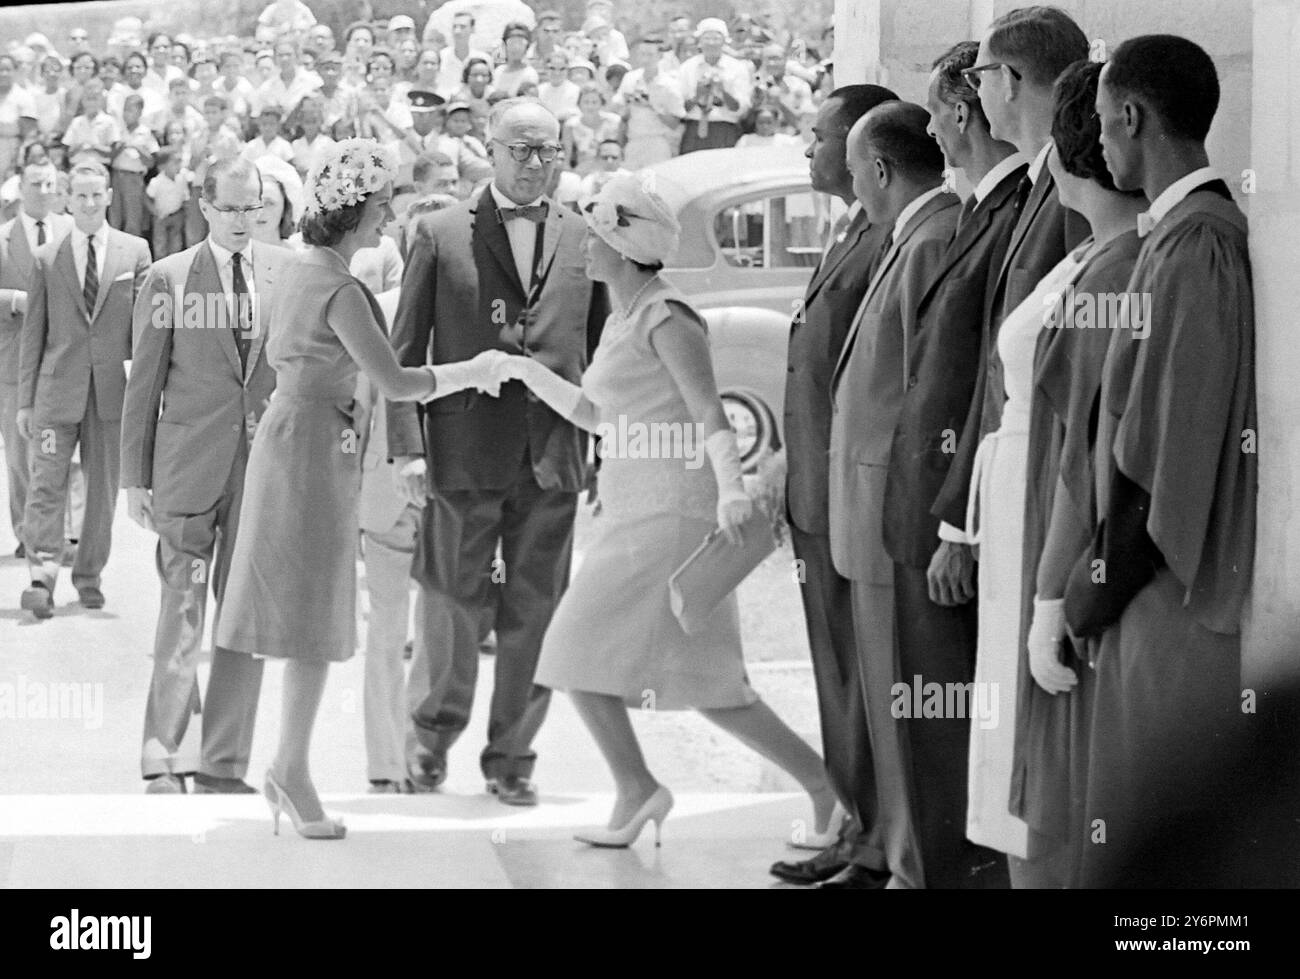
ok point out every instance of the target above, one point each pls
(503, 270)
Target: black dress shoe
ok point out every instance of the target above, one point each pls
(91, 597)
(856, 878)
(823, 866)
(513, 790)
(211, 785)
(428, 772)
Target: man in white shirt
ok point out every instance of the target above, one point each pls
(290, 83)
(32, 228)
(76, 337)
(716, 91)
(451, 74)
(192, 404)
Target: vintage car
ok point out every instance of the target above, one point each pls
(752, 232)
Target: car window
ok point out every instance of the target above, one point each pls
(780, 231)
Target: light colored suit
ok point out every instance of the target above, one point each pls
(867, 393)
(16, 260)
(72, 376)
(188, 421)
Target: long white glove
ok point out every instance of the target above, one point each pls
(734, 505)
(482, 372)
(558, 394)
(1046, 631)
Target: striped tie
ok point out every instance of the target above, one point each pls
(90, 292)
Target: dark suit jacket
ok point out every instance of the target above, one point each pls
(16, 261)
(66, 346)
(867, 390)
(816, 338)
(1044, 232)
(188, 405)
(461, 295)
(941, 374)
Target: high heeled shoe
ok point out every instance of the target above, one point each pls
(278, 799)
(820, 841)
(654, 808)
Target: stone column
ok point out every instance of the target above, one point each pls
(1271, 651)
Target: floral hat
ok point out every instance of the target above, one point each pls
(633, 219)
(347, 173)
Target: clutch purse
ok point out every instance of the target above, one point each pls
(715, 568)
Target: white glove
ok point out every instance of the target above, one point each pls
(558, 394)
(483, 373)
(1045, 634)
(734, 505)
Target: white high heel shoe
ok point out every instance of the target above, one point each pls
(278, 800)
(654, 808)
(820, 841)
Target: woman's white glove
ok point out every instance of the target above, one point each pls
(557, 393)
(1046, 631)
(734, 504)
(483, 372)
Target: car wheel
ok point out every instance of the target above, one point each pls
(752, 423)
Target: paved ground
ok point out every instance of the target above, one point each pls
(74, 812)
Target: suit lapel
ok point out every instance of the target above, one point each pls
(113, 260)
(203, 280)
(488, 225)
(263, 277)
(68, 268)
(550, 237)
(838, 252)
(936, 203)
(20, 250)
(1033, 204)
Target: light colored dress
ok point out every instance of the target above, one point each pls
(614, 631)
(996, 522)
(293, 578)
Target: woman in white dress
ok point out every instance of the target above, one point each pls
(996, 521)
(614, 641)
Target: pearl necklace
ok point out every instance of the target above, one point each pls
(627, 312)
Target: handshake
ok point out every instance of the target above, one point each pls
(485, 373)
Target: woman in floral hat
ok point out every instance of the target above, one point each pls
(292, 586)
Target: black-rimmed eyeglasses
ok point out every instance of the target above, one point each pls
(521, 152)
(972, 75)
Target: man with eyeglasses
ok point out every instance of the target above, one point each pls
(76, 336)
(199, 384)
(503, 270)
(1019, 59)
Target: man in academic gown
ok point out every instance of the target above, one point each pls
(936, 619)
(1161, 591)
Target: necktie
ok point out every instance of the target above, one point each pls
(243, 312)
(529, 212)
(885, 245)
(90, 290)
(967, 209)
(1023, 190)
(40, 233)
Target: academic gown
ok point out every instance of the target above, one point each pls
(1050, 761)
(1176, 485)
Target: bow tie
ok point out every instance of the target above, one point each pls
(529, 212)
(1145, 223)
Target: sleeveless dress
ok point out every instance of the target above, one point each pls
(292, 587)
(614, 631)
(996, 522)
